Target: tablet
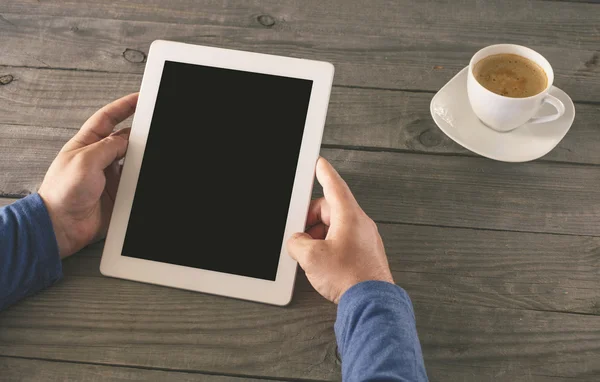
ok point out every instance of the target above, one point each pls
(219, 171)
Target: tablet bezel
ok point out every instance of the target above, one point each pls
(278, 292)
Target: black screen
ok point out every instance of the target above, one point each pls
(218, 169)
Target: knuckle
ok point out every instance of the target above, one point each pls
(109, 139)
(293, 241)
(352, 217)
(115, 139)
(80, 160)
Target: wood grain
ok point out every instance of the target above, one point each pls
(398, 120)
(511, 270)
(109, 321)
(403, 45)
(58, 98)
(506, 345)
(492, 303)
(451, 191)
(116, 322)
(450, 274)
(18, 369)
(472, 192)
(372, 118)
(43, 108)
(25, 155)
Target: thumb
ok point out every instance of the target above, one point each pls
(299, 246)
(107, 150)
(336, 191)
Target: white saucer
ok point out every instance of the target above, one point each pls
(452, 113)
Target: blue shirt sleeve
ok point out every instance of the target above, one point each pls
(377, 336)
(29, 259)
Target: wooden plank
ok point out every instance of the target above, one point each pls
(450, 372)
(18, 369)
(507, 345)
(109, 321)
(398, 120)
(401, 44)
(496, 269)
(60, 98)
(472, 192)
(25, 155)
(579, 1)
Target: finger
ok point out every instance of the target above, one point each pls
(318, 212)
(113, 174)
(103, 153)
(113, 171)
(336, 191)
(318, 232)
(299, 246)
(124, 131)
(103, 122)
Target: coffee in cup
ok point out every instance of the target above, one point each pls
(507, 85)
(510, 75)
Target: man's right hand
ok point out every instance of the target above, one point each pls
(342, 246)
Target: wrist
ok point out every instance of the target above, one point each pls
(379, 278)
(62, 238)
(370, 287)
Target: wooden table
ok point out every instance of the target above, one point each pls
(502, 261)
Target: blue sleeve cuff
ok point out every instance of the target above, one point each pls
(377, 336)
(48, 257)
(375, 292)
(29, 257)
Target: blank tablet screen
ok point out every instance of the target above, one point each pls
(218, 170)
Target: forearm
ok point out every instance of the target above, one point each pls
(29, 260)
(377, 336)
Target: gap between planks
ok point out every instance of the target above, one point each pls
(148, 368)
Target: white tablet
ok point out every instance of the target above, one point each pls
(219, 171)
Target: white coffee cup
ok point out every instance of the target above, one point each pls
(506, 113)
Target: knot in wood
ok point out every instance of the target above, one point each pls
(134, 56)
(6, 79)
(592, 62)
(429, 138)
(266, 20)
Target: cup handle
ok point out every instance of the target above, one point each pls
(558, 105)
